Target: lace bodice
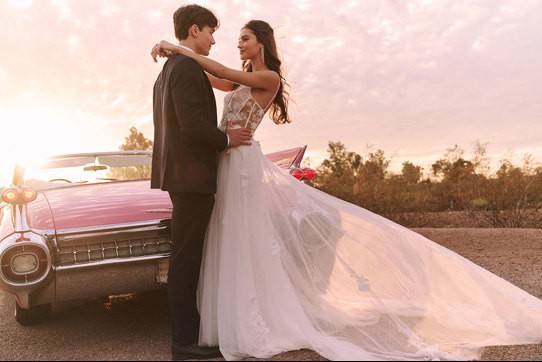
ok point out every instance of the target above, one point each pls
(242, 110)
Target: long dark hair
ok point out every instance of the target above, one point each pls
(265, 35)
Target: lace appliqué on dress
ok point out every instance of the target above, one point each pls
(363, 283)
(244, 179)
(241, 110)
(275, 248)
(256, 319)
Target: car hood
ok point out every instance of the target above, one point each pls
(98, 204)
(87, 205)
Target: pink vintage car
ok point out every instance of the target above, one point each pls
(88, 225)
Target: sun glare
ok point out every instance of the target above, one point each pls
(39, 132)
(21, 4)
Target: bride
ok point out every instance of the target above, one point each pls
(288, 267)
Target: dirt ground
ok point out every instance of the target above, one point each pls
(460, 219)
(137, 327)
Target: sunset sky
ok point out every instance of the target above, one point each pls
(412, 78)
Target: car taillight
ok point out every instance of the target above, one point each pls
(303, 173)
(29, 194)
(10, 196)
(24, 264)
(308, 173)
(297, 173)
(15, 196)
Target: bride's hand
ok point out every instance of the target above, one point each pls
(163, 49)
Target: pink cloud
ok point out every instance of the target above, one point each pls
(412, 78)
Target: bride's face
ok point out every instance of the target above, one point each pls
(249, 46)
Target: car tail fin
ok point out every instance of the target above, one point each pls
(288, 158)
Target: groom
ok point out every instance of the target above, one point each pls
(184, 163)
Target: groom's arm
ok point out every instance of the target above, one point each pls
(188, 92)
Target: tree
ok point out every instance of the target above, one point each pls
(480, 159)
(457, 186)
(340, 161)
(347, 176)
(376, 167)
(512, 198)
(136, 141)
(410, 173)
(337, 174)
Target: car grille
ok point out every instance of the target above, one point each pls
(98, 251)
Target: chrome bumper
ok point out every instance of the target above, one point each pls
(95, 262)
(109, 260)
(110, 277)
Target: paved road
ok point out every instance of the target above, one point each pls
(124, 328)
(130, 327)
(136, 327)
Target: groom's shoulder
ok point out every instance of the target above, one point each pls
(181, 61)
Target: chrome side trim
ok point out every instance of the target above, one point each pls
(110, 262)
(114, 153)
(21, 223)
(112, 227)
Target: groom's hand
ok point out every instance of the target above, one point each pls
(238, 136)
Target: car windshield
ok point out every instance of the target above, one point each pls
(65, 170)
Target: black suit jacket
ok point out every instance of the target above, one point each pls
(186, 137)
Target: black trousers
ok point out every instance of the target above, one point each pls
(189, 220)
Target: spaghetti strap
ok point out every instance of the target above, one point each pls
(272, 99)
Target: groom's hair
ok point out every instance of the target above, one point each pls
(188, 15)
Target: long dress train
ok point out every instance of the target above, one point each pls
(288, 267)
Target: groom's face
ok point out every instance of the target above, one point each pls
(204, 40)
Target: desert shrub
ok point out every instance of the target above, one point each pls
(367, 182)
(512, 197)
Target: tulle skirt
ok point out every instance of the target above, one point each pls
(287, 267)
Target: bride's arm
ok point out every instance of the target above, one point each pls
(220, 84)
(264, 79)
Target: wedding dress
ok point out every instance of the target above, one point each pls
(287, 267)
